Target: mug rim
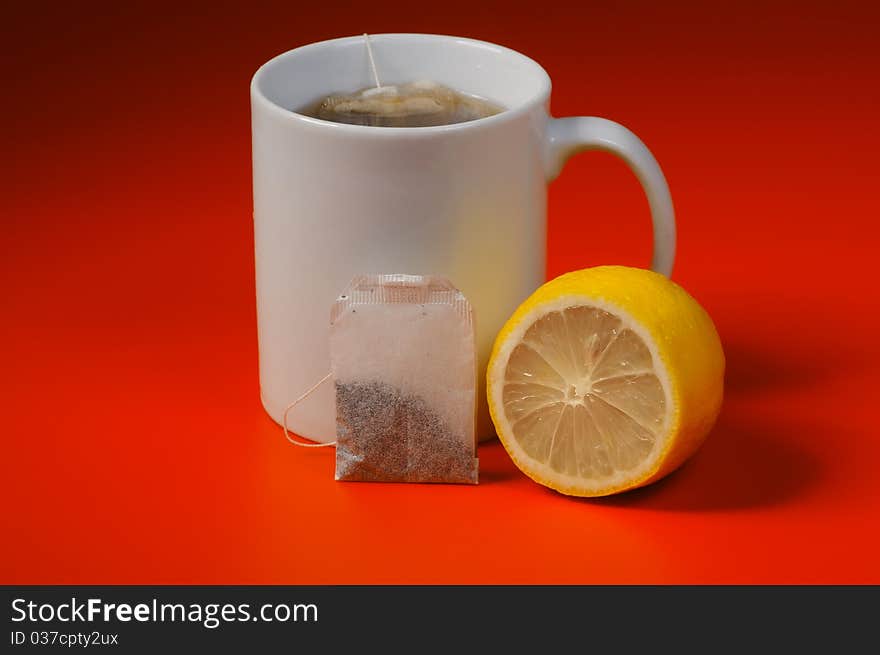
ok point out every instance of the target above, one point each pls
(507, 115)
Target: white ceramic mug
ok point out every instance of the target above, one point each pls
(465, 201)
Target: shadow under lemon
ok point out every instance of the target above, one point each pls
(748, 460)
(745, 462)
(756, 368)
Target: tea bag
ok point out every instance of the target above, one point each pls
(403, 360)
(415, 104)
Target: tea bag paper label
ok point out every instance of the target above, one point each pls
(404, 364)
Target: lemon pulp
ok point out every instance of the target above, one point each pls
(582, 394)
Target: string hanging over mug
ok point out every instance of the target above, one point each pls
(372, 61)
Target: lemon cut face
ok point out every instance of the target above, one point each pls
(583, 397)
(604, 380)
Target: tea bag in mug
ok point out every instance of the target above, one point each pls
(415, 104)
(403, 360)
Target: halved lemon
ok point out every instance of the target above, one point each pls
(604, 380)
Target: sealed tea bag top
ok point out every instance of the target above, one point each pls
(403, 359)
(416, 104)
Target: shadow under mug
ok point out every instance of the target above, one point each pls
(466, 201)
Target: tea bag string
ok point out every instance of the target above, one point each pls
(372, 61)
(296, 402)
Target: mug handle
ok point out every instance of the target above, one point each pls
(568, 136)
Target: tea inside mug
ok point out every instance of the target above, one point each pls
(414, 104)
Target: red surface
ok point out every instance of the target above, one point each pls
(134, 446)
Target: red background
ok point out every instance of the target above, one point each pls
(135, 449)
